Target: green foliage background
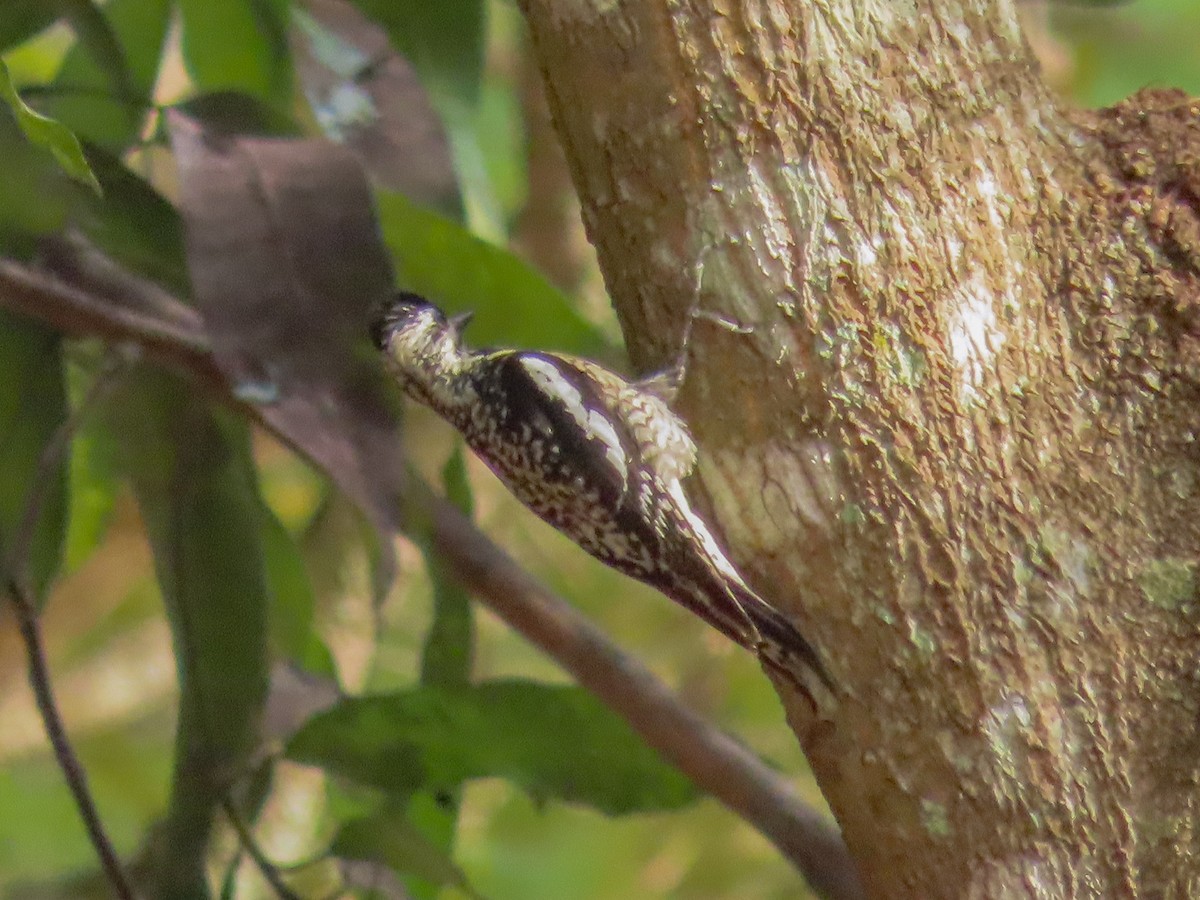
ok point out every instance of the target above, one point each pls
(181, 550)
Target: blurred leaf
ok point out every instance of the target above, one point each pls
(41, 836)
(500, 133)
(46, 132)
(135, 224)
(388, 837)
(1121, 50)
(103, 89)
(95, 37)
(286, 263)
(35, 193)
(230, 113)
(195, 484)
(22, 19)
(554, 742)
(292, 601)
(514, 304)
(434, 814)
(238, 45)
(445, 661)
(379, 758)
(92, 473)
(32, 406)
(456, 483)
(229, 882)
(447, 656)
(445, 42)
(368, 97)
(93, 497)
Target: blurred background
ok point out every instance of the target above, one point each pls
(110, 645)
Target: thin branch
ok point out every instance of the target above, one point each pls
(713, 760)
(27, 620)
(39, 680)
(177, 337)
(266, 868)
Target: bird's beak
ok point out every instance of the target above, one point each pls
(460, 322)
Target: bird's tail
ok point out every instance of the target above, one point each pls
(776, 641)
(731, 606)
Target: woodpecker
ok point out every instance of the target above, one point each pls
(598, 457)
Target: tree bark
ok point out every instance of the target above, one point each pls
(954, 432)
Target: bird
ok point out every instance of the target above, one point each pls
(599, 457)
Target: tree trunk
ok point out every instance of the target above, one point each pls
(954, 429)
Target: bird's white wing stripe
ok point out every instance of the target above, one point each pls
(593, 423)
(700, 529)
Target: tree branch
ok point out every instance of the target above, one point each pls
(27, 621)
(712, 759)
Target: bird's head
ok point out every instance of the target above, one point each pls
(422, 348)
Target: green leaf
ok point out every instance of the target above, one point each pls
(41, 837)
(32, 406)
(229, 882)
(447, 656)
(514, 304)
(135, 224)
(35, 193)
(195, 484)
(554, 742)
(93, 497)
(388, 837)
(456, 483)
(1121, 50)
(445, 661)
(22, 19)
(45, 132)
(103, 89)
(238, 45)
(293, 601)
(96, 39)
(445, 43)
(500, 130)
(92, 474)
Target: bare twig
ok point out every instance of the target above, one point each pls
(78, 308)
(80, 263)
(712, 759)
(73, 772)
(27, 620)
(39, 680)
(266, 868)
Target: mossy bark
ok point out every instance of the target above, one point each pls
(945, 387)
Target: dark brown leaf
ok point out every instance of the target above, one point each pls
(286, 263)
(369, 97)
